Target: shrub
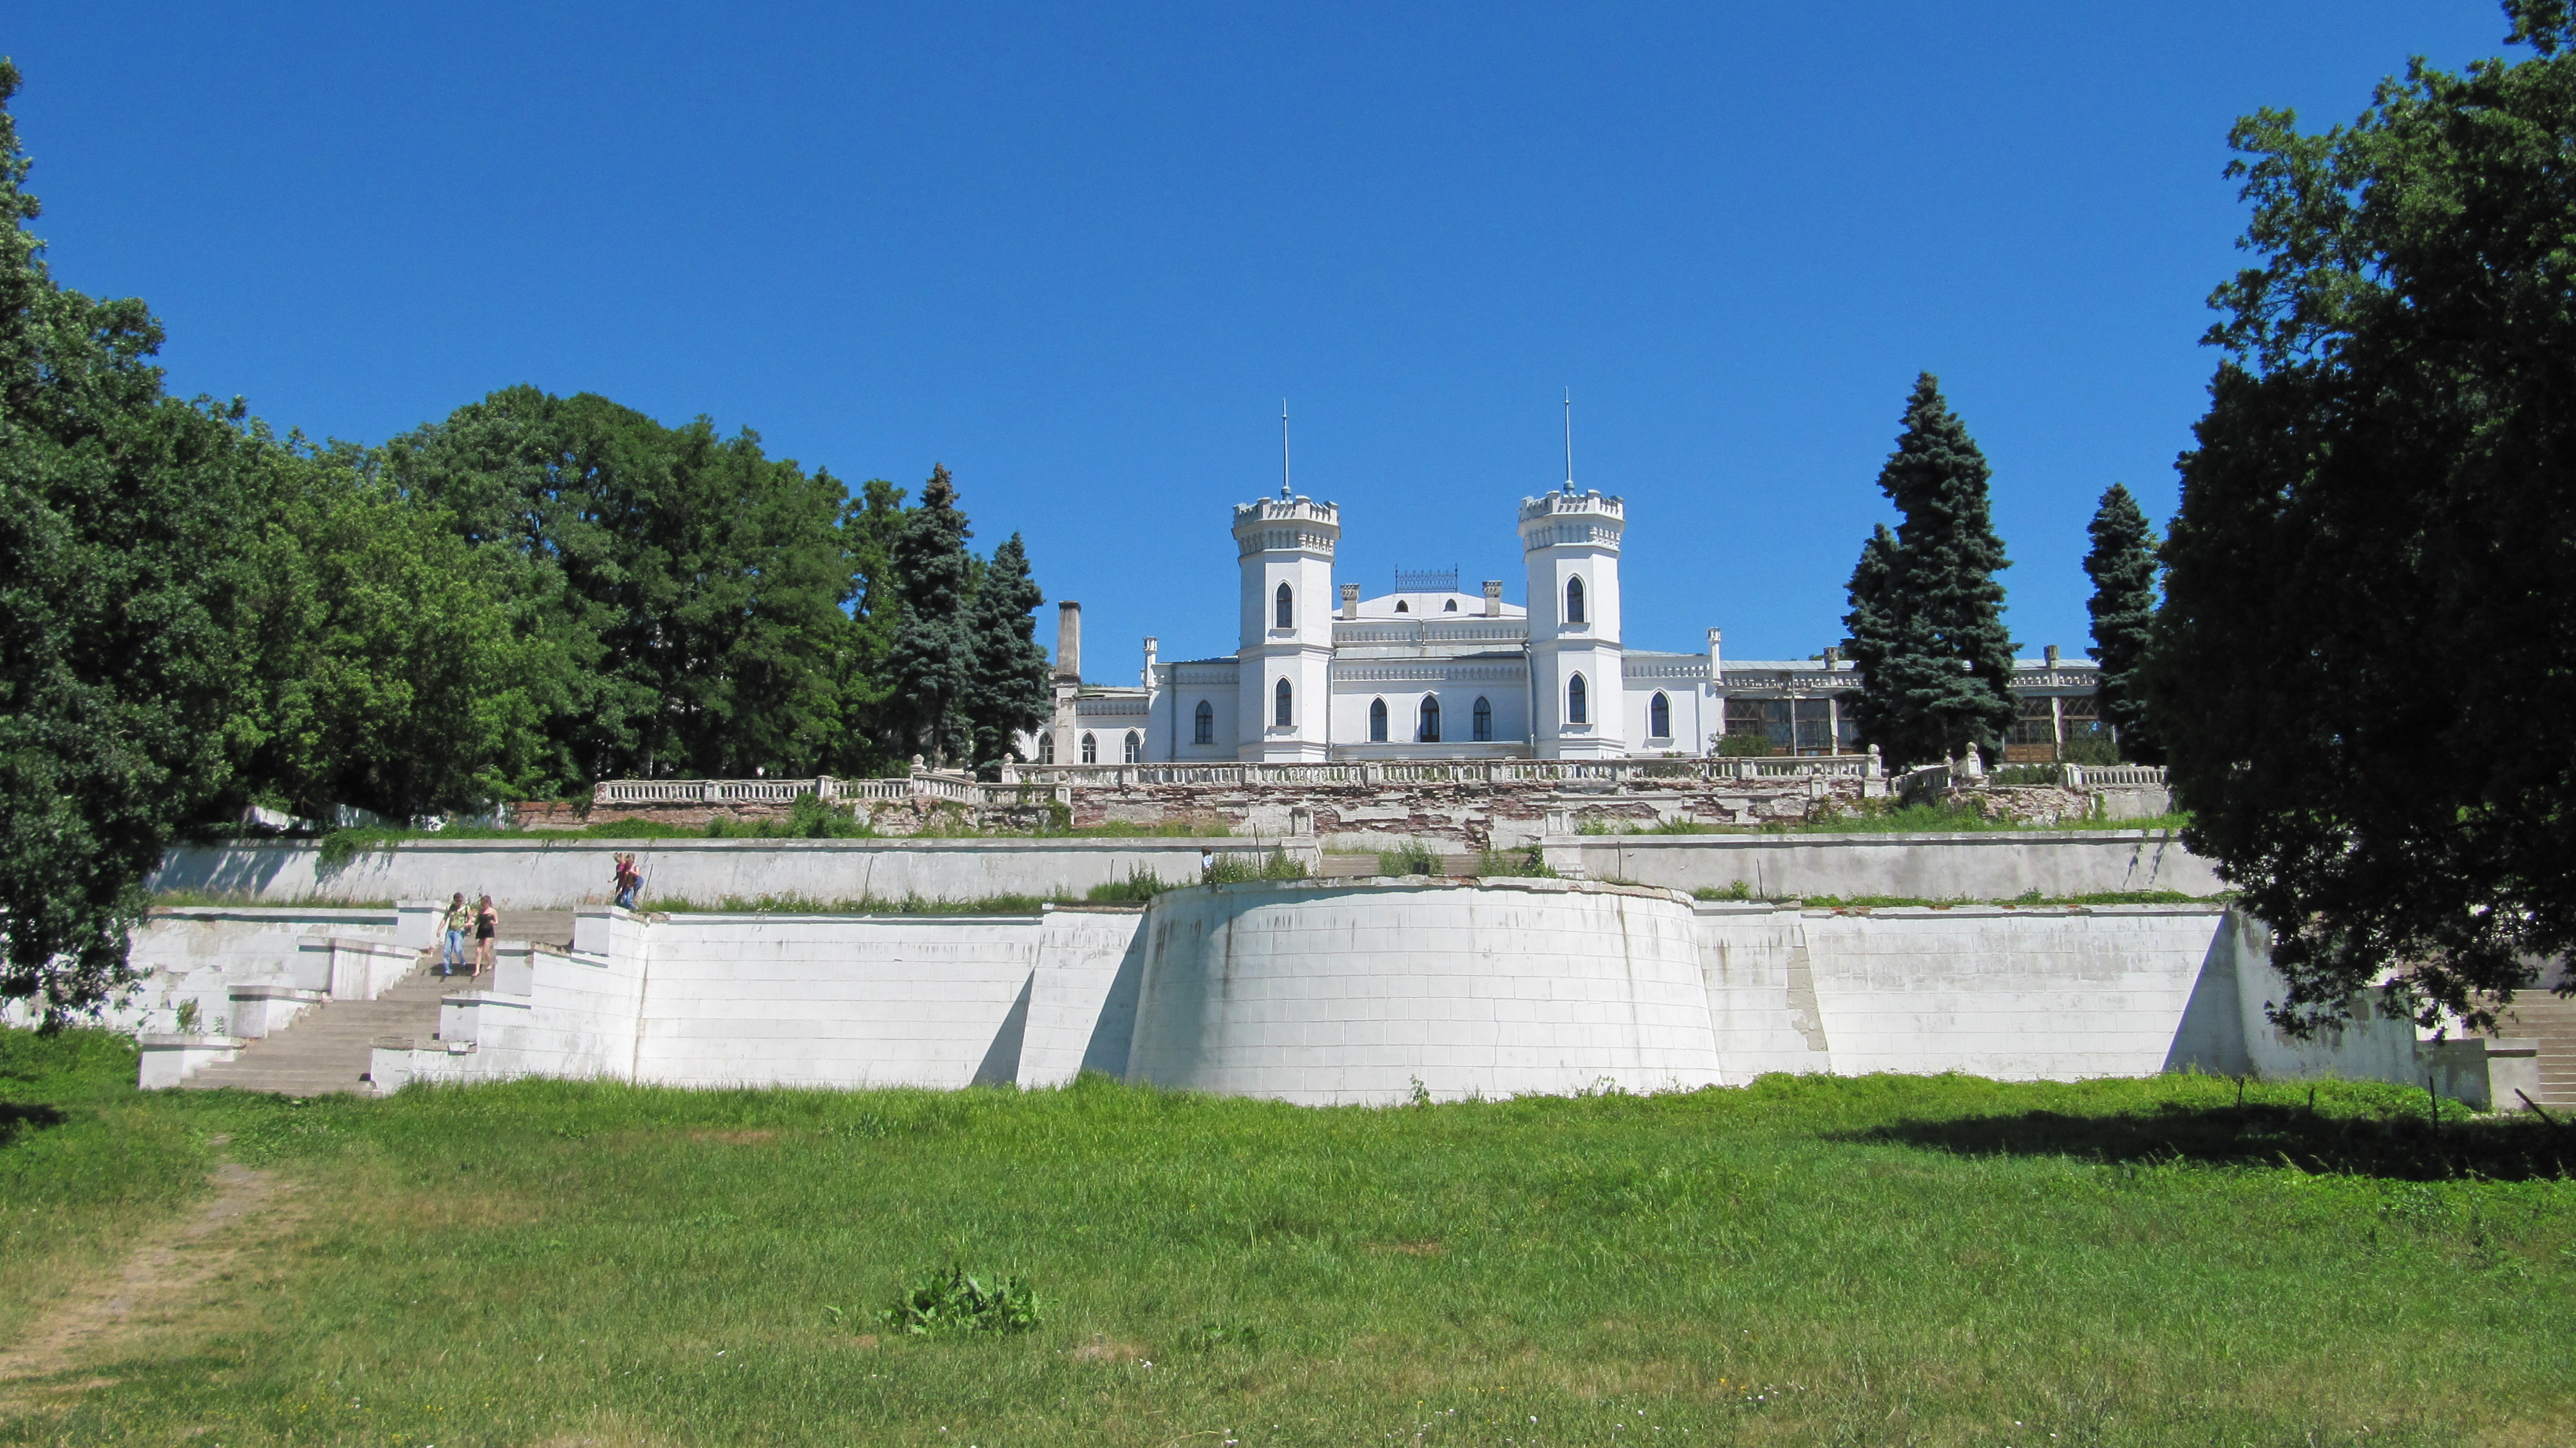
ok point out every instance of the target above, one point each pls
(950, 1303)
(1413, 858)
(1745, 746)
(1530, 863)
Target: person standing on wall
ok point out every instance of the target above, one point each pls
(460, 918)
(487, 924)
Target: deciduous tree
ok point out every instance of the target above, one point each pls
(123, 518)
(2363, 673)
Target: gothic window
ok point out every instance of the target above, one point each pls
(1450, 607)
(1428, 731)
(1659, 718)
(1400, 607)
(1484, 720)
(1576, 710)
(1135, 747)
(1203, 724)
(1090, 750)
(1286, 608)
(1574, 600)
(1377, 721)
(1280, 699)
(1046, 747)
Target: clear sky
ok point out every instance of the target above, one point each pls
(1078, 253)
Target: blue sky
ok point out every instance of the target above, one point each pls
(1079, 253)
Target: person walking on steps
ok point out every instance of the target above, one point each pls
(487, 923)
(460, 919)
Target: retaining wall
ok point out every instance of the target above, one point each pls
(1354, 993)
(554, 874)
(2001, 865)
(1332, 991)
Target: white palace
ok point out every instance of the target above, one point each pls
(1321, 674)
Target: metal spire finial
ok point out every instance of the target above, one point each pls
(1569, 442)
(1283, 449)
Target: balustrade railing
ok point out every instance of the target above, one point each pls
(1037, 783)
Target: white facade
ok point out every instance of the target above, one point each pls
(1320, 674)
(1429, 672)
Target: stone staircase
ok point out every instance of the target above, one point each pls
(2552, 1020)
(327, 1047)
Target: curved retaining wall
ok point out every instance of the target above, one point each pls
(1323, 992)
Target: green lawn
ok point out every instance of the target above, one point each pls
(1805, 1261)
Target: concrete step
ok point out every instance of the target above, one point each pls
(328, 1048)
(2551, 1020)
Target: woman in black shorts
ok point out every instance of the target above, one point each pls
(487, 923)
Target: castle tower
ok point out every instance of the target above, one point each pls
(1285, 546)
(1570, 542)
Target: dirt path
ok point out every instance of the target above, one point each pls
(180, 1279)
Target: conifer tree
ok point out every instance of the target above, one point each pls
(1927, 613)
(2122, 566)
(933, 653)
(1008, 691)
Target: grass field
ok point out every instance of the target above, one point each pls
(1874, 1260)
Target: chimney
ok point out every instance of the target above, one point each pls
(1152, 646)
(1716, 673)
(1833, 656)
(1068, 641)
(2051, 651)
(1350, 600)
(1493, 598)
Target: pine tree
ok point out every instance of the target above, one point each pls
(2122, 566)
(1927, 614)
(1008, 691)
(933, 653)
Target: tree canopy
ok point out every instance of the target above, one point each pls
(1926, 624)
(2362, 673)
(526, 596)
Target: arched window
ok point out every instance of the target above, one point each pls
(1400, 607)
(1428, 731)
(1280, 701)
(1377, 721)
(1659, 718)
(1484, 720)
(1135, 747)
(1286, 608)
(1450, 607)
(1046, 747)
(1203, 724)
(1576, 710)
(1574, 600)
(1090, 750)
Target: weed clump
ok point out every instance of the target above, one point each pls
(950, 1303)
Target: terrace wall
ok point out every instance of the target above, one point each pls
(554, 874)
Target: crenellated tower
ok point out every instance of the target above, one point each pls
(1570, 542)
(1285, 546)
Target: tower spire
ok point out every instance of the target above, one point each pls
(1283, 449)
(1569, 442)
